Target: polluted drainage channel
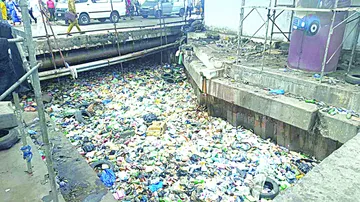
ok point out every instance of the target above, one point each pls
(148, 140)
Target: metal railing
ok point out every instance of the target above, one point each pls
(282, 8)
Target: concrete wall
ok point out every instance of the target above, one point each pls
(225, 15)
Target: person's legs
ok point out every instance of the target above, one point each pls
(52, 14)
(77, 25)
(31, 15)
(131, 13)
(71, 25)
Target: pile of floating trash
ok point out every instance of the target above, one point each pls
(148, 140)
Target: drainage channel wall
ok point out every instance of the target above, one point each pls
(94, 46)
(288, 122)
(340, 95)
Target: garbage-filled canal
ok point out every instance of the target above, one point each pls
(147, 138)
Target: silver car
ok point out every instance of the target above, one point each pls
(160, 8)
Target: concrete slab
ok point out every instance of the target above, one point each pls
(282, 108)
(338, 127)
(295, 82)
(334, 179)
(38, 29)
(287, 121)
(7, 116)
(16, 184)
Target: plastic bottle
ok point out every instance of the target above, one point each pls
(262, 172)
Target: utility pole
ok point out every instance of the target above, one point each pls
(38, 96)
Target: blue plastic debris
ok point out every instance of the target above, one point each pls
(108, 177)
(32, 132)
(316, 76)
(277, 92)
(155, 187)
(27, 154)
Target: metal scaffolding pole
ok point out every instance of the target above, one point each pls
(38, 97)
(21, 127)
(18, 82)
(240, 32)
(291, 20)
(266, 36)
(328, 42)
(272, 25)
(354, 43)
(117, 37)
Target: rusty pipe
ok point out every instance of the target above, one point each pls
(84, 55)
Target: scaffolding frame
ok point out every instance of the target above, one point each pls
(272, 18)
(32, 74)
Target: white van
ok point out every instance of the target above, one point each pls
(93, 9)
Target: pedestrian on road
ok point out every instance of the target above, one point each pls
(129, 9)
(137, 7)
(189, 7)
(74, 22)
(12, 7)
(32, 4)
(51, 9)
(3, 10)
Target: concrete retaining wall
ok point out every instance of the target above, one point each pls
(296, 125)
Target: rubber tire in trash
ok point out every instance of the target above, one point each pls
(353, 78)
(274, 192)
(99, 163)
(8, 138)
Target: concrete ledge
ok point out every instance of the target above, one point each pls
(334, 179)
(340, 95)
(104, 38)
(338, 127)
(289, 122)
(7, 116)
(285, 109)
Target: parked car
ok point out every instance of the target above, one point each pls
(160, 8)
(93, 9)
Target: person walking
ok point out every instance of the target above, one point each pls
(129, 9)
(189, 7)
(137, 7)
(31, 10)
(12, 6)
(51, 8)
(3, 10)
(74, 21)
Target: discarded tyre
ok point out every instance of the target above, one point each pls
(353, 79)
(98, 164)
(273, 186)
(8, 137)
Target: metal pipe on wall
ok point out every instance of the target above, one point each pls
(103, 63)
(84, 55)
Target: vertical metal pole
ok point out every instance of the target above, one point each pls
(47, 34)
(117, 37)
(272, 25)
(240, 32)
(37, 91)
(266, 36)
(354, 44)
(161, 37)
(291, 20)
(328, 42)
(21, 127)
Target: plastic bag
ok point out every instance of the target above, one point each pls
(108, 177)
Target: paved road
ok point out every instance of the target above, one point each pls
(60, 27)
